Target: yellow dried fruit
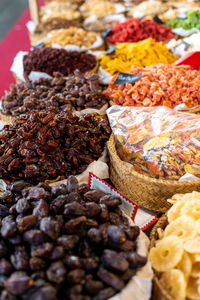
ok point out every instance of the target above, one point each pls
(166, 254)
(193, 291)
(183, 227)
(174, 282)
(185, 265)
(192, 245)
(175, 211)
(145, 53)
(192, 209)
(195, 272)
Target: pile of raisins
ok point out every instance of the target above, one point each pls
(76, 92)
(65, 242)
(50, 60)
(44, 145)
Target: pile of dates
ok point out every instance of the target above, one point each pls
(76, 92)
(44, 145)
(65, 242)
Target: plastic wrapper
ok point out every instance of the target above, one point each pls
(93, 23)
(148, 8)
(157, 141)
(101, 8)
(185, 45)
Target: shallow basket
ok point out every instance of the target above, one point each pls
(159, 293)
(148, 192)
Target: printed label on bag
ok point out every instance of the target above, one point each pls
(142, 217)
(185, 44)
(38, 46)
(126, 77)
(182, 15)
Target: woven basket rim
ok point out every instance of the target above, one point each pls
(129, 169)
(162, 222)
(192, 110)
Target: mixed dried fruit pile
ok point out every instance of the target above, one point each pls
(167, 85)
(44, 145)
(134, 30)
(76, 92)
(176, 254)
(65, 242)
(51, 60)
(157, 141)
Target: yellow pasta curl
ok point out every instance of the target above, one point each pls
(145, 53)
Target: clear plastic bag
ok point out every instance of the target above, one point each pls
(157, 141)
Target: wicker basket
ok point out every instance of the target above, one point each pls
(148, 192)
(159, 293)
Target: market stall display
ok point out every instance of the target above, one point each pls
(60, 240)
(175, 249)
